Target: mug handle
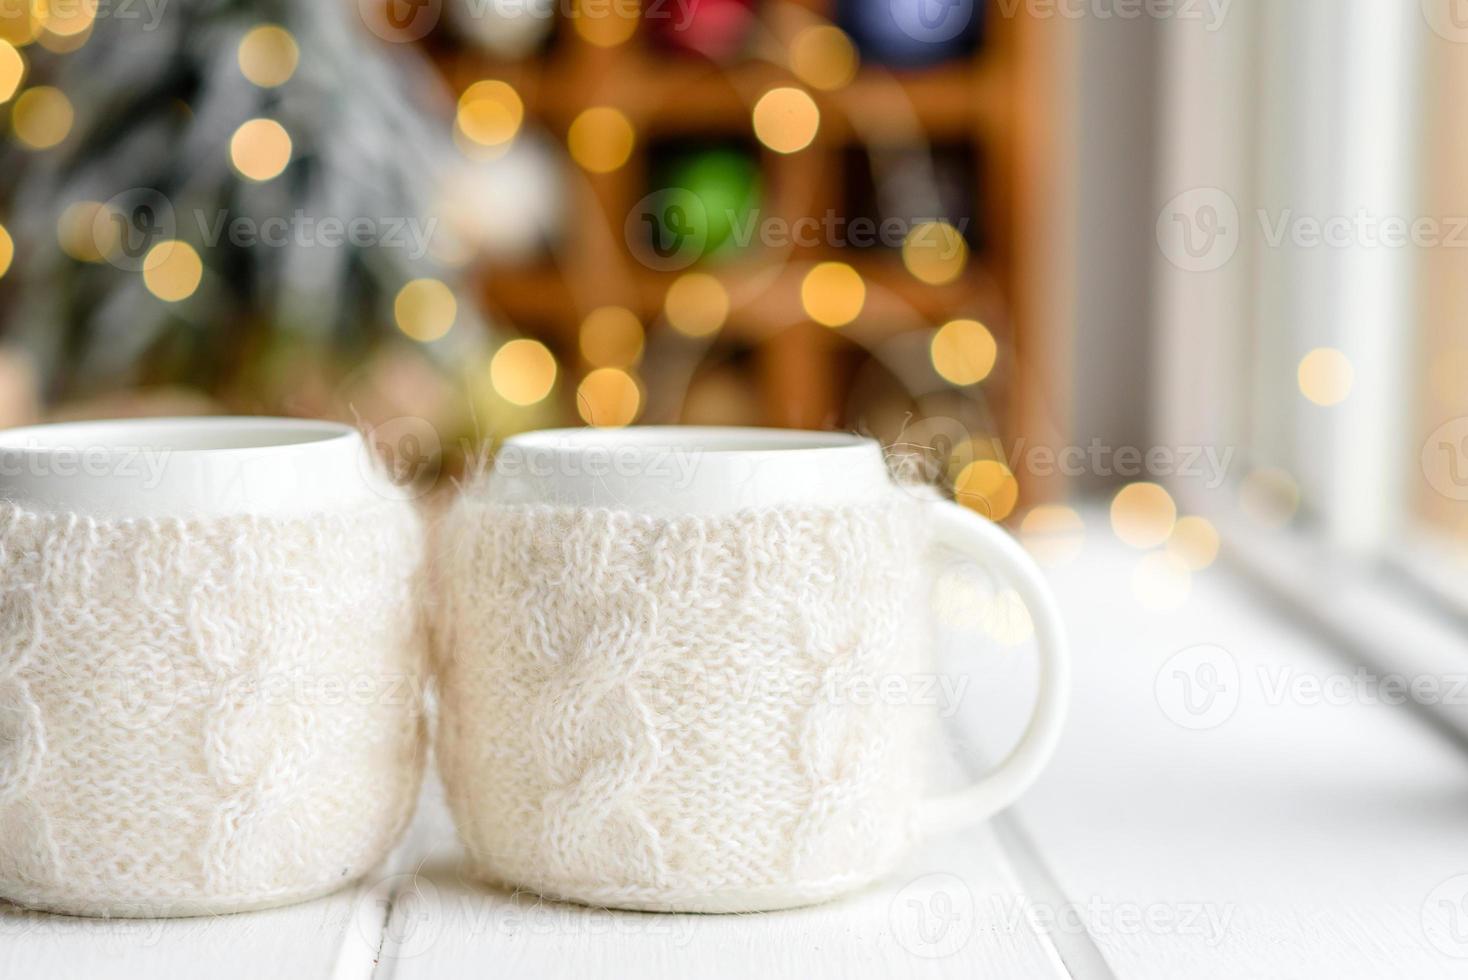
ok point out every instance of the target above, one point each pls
(963, 531)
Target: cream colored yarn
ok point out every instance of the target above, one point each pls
(655, 714)
(205, 715)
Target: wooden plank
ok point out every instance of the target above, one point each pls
(1288, 827)
(295, 941)
(337, 937)
(953, 911)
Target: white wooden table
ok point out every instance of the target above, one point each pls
(1265, 832)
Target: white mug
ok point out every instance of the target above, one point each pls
(647, 644)
(211, 664)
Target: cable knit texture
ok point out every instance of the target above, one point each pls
(679, 714)
(205, 715)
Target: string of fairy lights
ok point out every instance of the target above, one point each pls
(490, 115)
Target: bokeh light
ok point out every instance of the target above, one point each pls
(786, 119)
(64, 17)
(609, 398)
(1053, 534)
(523, 371)
(823, 57)
(19, 25)
(604, 25)
(77, 227)
(1160, 582)
(490, 112)
(268, 55)
(1005, 618)
(611, 336)
(1194, 542)
(1326, 376)
(12, 70)
(260, 149)
(934, 252)
(425, 309)
(963, 352)
(601, 139)
(696, 304)
(41, 117)
(1143, 515)
(172, 270)
(7, 250)
(988, 487)
(833, 294)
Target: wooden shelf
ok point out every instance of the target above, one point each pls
(541, 293)
(668, 96)
(692, 96)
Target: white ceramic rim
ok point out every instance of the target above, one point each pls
(113, 435)
(206, 466)
(673, 471)
(706, 438)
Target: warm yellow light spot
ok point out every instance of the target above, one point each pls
(963, 352)
(604, 25)
(600, 139)
(523, 371)
(935, 252)
(64, 18)
(490, 112)
(64, 43)
(697, 304)
(7, 250)
(609, 398)
(172, 270)
(1161, 582)
(268, 55)
(12, 70)
(833, 294)
(1006, 619)
(18, 23)
(425, 309)
(786, 119)
(260, 149)
(42, 117)
(987, 486)
(1143, 515)
(1053, 533)
(823, 57)
(77, 228)
(611, 337)
(959, 595)
(1194, 542)
(1326, 376)
(1269, 497)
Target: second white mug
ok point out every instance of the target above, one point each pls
(648, 645)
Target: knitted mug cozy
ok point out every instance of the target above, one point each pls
(668, 714)
(205, 715)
